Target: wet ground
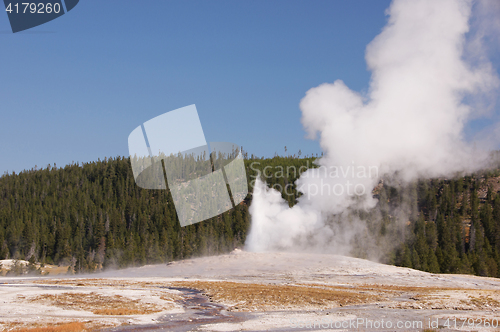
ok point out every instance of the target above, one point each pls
(371, 317)
(198, 310)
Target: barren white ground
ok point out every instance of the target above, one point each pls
(444, 302)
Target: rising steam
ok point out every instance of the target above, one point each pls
(430, 77)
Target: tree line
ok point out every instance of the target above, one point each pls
(92, 216)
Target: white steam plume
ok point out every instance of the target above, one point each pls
(410, 125)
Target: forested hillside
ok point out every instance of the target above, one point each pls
(457, 229)
(94, 216)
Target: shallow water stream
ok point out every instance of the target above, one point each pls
(198, 310)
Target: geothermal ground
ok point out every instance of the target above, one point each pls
(245, 291)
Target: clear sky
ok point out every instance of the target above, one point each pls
(74, 88)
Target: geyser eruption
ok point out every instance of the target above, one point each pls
(425, 86)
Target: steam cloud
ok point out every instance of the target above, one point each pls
(430, 77)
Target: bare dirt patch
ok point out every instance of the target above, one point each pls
(162, 293)
(99, 304)
(252, 296)
(271, 297)
(53, 327)
(458, 299)
(65, 327)
(244, 296)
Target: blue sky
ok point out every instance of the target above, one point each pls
(74, 88)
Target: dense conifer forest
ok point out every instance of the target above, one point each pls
(92, 216)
